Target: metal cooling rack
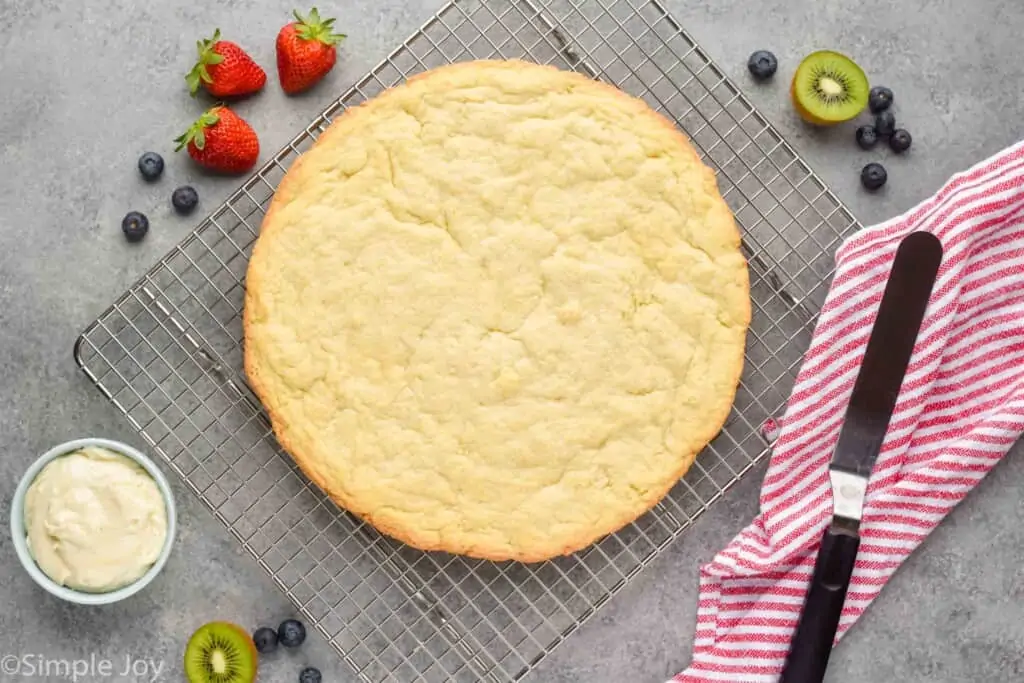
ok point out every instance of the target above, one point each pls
(168, 354)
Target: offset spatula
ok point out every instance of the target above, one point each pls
(860, 439)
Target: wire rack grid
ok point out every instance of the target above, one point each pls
(168, 355)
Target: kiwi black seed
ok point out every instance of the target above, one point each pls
(220, 652)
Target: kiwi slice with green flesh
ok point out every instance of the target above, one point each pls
(829, 88)
(220, 652)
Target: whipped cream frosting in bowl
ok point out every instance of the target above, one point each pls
(93, 521)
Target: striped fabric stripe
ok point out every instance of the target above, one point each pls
(960, 410)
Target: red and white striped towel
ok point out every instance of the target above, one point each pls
(961, 407)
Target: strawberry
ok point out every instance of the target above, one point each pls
(305, 51)
(224, 69)
(221, 141)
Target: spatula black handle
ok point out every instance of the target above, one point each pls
(816, 631)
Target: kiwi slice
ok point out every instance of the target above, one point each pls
(220, 652)
(829, 88)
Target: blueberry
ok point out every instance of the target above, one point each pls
(135, 225)
(873, 176)
(310, 675)
(885, 124)
(762, 65)
(867, 136)
(151, 165)
(184, 199)
(900, 141)
(265, 639)
(879, 99)
(291, 633)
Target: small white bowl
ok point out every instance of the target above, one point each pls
(18, 531)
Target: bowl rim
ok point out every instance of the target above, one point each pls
(18, 530)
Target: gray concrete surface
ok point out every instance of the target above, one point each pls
(88, 85)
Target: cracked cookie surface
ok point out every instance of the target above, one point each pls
(497, 310)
